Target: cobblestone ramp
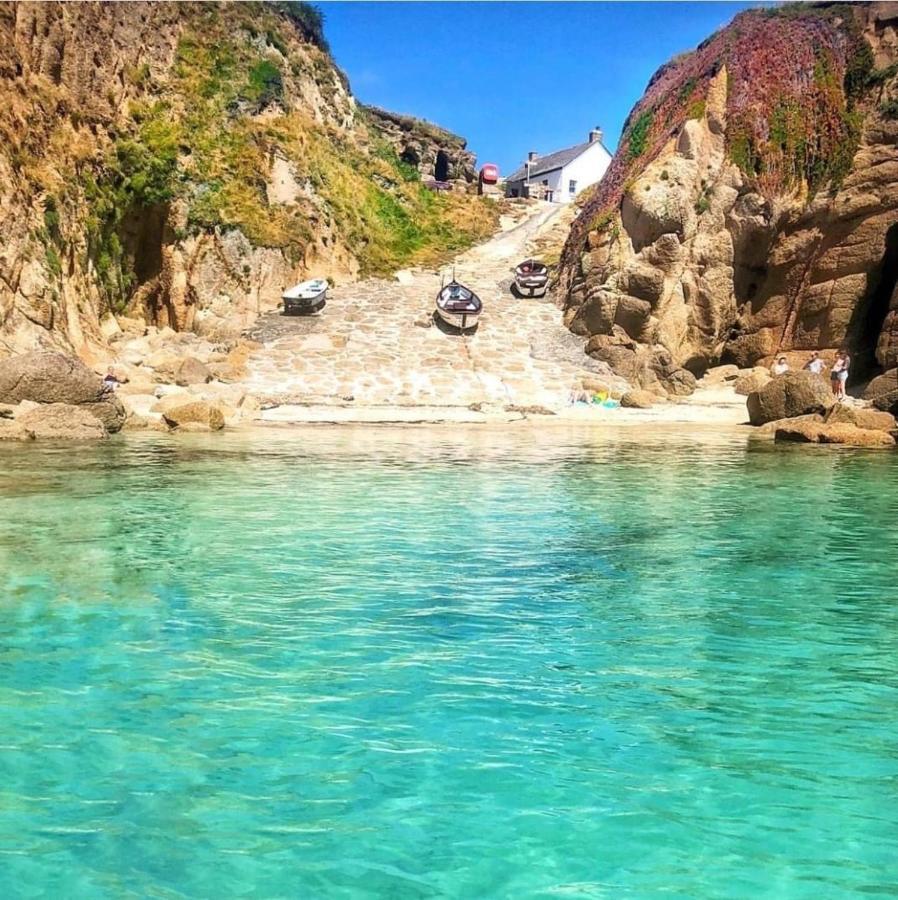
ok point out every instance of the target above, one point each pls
(376, 342)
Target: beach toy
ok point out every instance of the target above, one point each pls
(610, 404)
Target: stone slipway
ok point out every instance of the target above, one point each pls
(375, 354)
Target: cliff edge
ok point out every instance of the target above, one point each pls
(751, 206)
(183, 163)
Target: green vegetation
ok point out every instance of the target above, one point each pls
(602, 220)
(879, 77)
(204, 146)
(308, 18)
(275, 40)
(53, 262)
(889, 109)
(742, 150)
(858, 70)
(696, 109)
(265, 86)
(384, 150)
(138, 75)
(51, 221)
(639, 133)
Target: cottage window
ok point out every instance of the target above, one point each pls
(572, 187)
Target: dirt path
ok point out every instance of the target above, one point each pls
(376, 346)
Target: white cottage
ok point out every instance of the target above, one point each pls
(560, 176)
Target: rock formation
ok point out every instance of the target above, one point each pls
(181, 164)
(57, 380)
(787, 396)
(435, 153)
(752, 206)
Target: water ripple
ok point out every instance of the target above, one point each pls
(448, 664)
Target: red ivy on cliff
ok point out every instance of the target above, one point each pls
(793, 77)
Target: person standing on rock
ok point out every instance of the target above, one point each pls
(839, 374)
(815, 364)
(780, 367)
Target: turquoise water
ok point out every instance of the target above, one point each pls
(429, 664)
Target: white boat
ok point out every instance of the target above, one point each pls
(458, 306)
(305, 298)
(531, 278)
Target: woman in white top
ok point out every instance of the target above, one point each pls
(815, 364)
(839, 374)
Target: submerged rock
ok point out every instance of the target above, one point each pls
(178, 412)
(61, 421)
(770, 429)
(809, 432)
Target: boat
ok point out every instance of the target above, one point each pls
(305, 298)
(531, 278)
(458, 305)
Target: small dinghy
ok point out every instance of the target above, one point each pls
(531, 278)
(306, 298)
(458, 305)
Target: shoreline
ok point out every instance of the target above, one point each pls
(707, 407)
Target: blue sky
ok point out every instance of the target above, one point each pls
(513, 77)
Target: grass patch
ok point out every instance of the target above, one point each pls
(889, 109)
(53, 262)
(639, 133)
(203, 146)
(308, 18)
(696, 109)
(265, 86)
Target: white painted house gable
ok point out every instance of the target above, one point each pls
(560, 176)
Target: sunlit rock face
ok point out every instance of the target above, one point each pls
(181, 164)
(751, 206)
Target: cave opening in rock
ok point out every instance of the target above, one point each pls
(142, 236)
(441, 167)
(870, 313)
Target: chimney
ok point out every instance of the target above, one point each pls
(531, 156)
(595, 135)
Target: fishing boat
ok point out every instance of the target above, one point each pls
(458, 305)
(531, 278)
(305, 298)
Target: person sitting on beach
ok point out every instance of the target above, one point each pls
(110, 380)
(815, 364)
(839, 374)
(780, 367)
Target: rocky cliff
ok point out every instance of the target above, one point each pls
(752, 206)
(183, 163)
(436, 153)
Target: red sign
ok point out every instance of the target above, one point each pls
(489, 174)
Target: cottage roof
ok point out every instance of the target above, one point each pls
(550, 162)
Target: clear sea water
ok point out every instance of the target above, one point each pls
(463, 664)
